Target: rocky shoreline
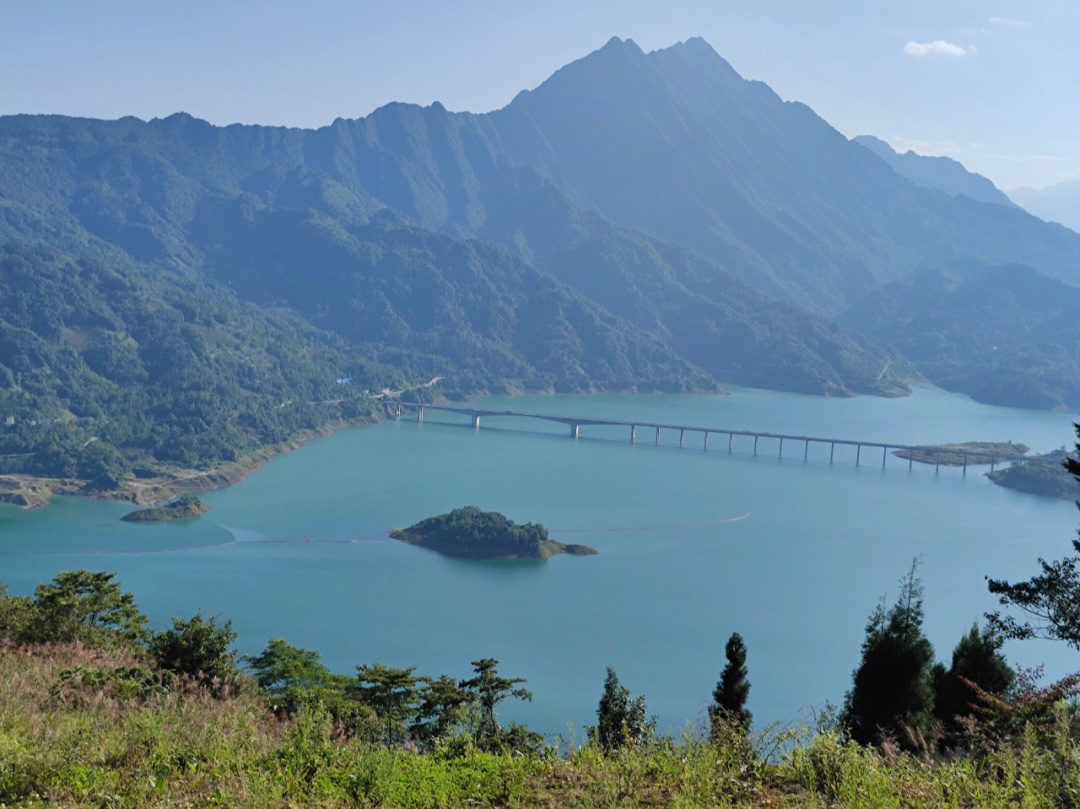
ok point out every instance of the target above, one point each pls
(29, 491)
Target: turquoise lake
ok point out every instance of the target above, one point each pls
(299, 551)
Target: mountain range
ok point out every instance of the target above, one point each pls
(1055, 203)
(639, 221)
(939, 173)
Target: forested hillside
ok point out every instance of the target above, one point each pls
(176, 291)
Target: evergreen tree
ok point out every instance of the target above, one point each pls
(892, 688)
(391, 692)
(488, 689)
(620, 720)
(199, 648)
(79, 605)
(1050, 599)
(443, 705)
(292, 676)
(732, 690)
(977, 659)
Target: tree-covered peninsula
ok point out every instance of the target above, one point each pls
(469, 533)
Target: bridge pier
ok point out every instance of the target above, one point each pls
(755, 445)
(633, 433)
(781, 453)
(681, 433)
(706, 440)
(910, 461)
(657, 436)
(573, 430)
(965, 464)
(419, 414)
(476, 421)
(832, 449)
(858, 452)
(883, 451)
(397, 412)
(806, 450)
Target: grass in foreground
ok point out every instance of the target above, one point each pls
(85, 728)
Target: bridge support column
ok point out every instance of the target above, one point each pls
(476, 421)
(965, 464)
(730, 438)
(755, 445)
(397, 412)
(657, 436)
(806, 450)
(832, 449)
(681, 436)
(910, 460)
(573, 430)
(706, 440)
(419, 414)
(992, 464)
(781, 453)
(858, 452)
(883, 451)
(633, 433)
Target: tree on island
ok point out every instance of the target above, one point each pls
(620, 720)
(891, 688)
(732, 690)
(392, 693)
(1050, 599)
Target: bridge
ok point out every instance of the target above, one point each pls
(575, 423)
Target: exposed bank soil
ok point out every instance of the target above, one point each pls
(971, 453)
(28, 491)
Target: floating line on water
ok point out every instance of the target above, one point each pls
(230, 543)
(675, 527)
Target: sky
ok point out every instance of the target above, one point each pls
(994, 85)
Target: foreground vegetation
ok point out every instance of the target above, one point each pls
(80, 727)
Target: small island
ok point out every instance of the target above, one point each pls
(1043, 475)
(182, 508)
(971, 453)
(469, 533)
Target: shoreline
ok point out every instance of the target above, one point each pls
(30, 491)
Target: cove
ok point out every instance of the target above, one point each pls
(693, 545)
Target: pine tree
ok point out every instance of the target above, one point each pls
(488, 689)
(620, 720)
(891, 688)
(977, 659)
(391, 692)
(732, 690)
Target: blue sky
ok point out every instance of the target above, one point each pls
(995, 85)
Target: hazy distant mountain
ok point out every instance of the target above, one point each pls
(1004, 334)
(938, 173)
(1056, 203)
(675, 142)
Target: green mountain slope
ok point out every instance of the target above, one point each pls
(1004, 335)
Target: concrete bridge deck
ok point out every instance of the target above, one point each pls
(576, 422)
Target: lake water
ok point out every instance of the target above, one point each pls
(298, 550)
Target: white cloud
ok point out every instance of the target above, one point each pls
(1010, 22)
(938, 46)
